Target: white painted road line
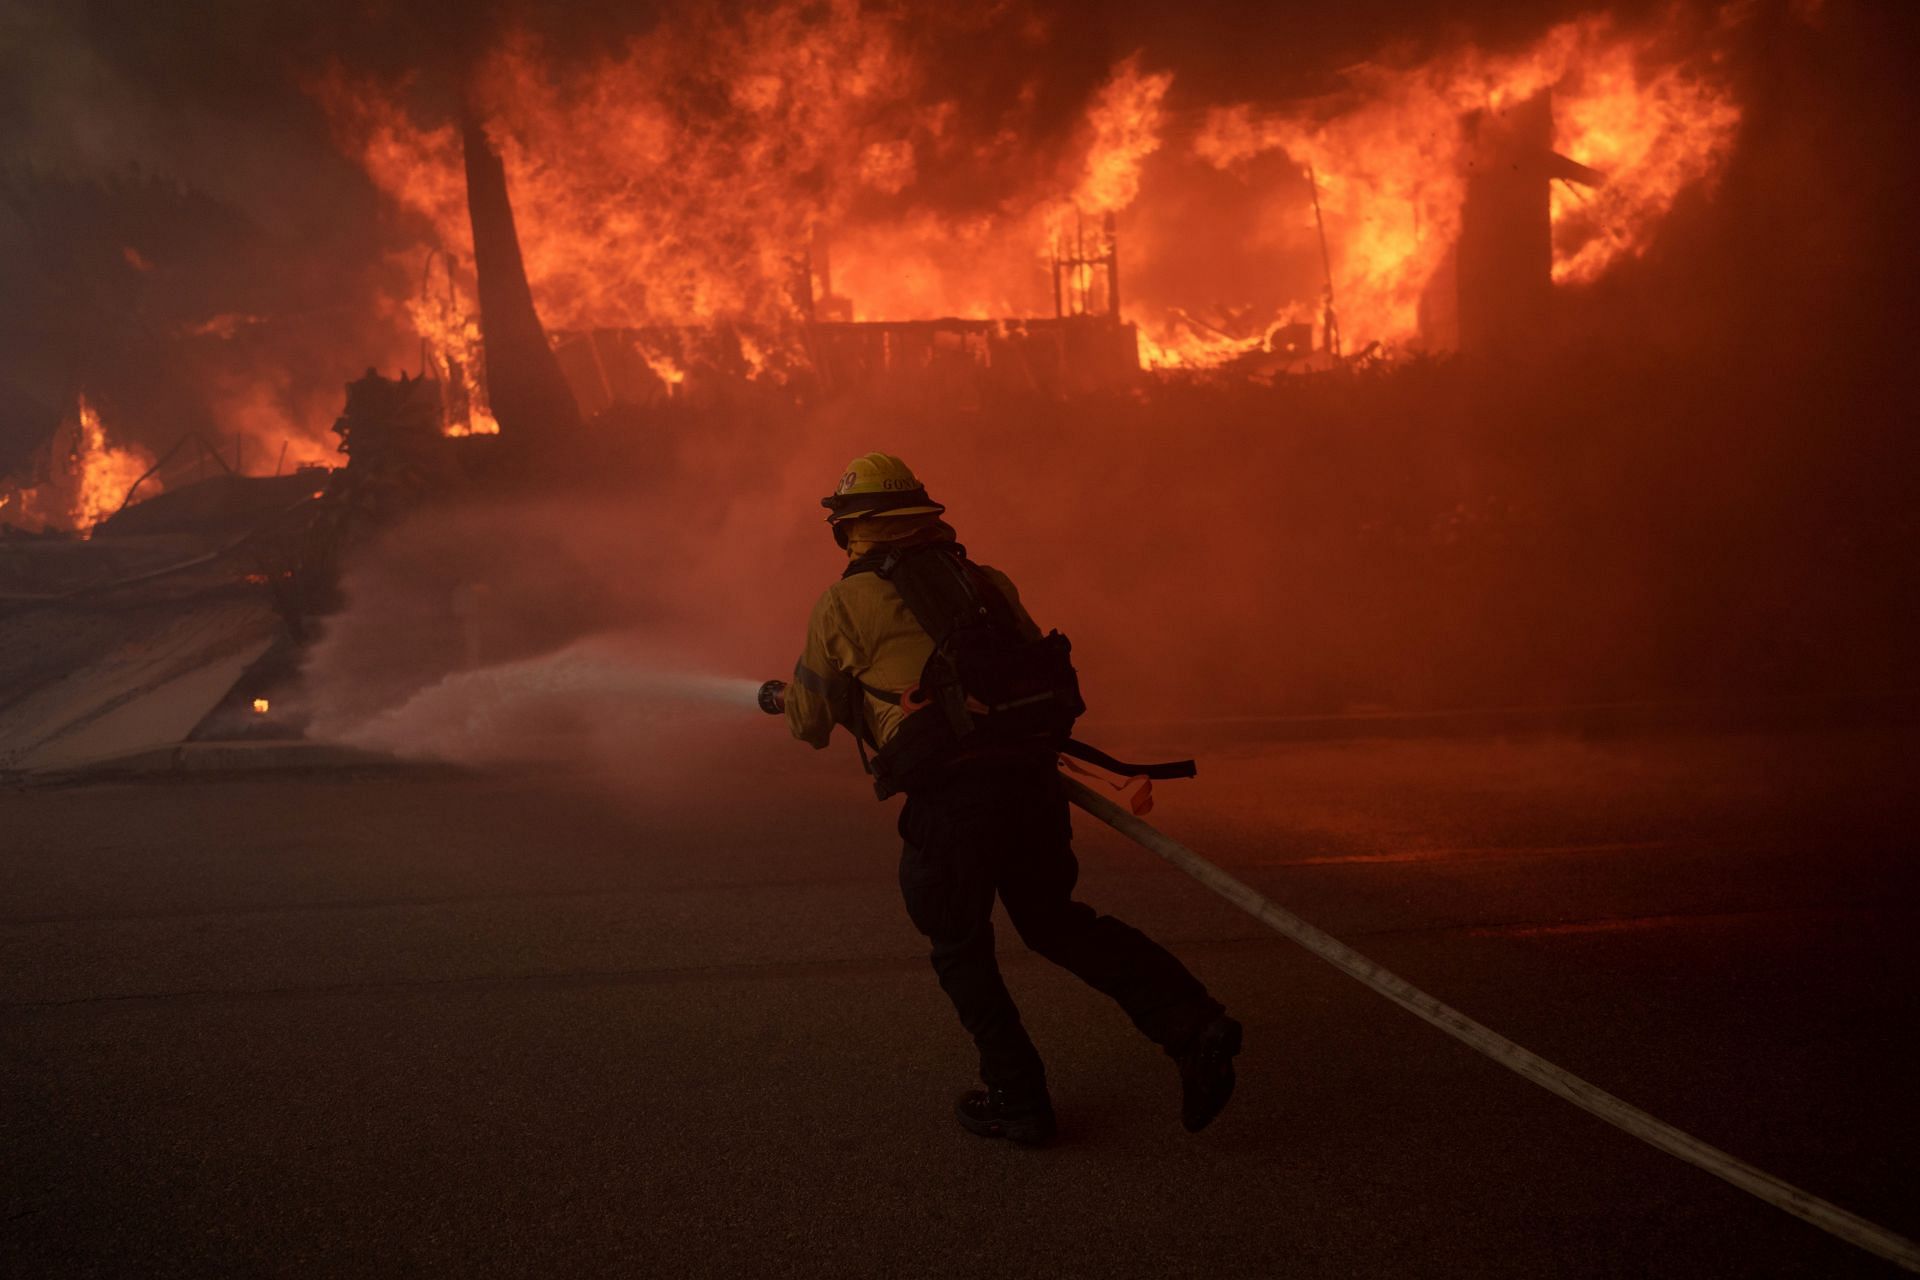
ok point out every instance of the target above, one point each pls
(1652, 1130)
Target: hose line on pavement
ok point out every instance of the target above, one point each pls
(1652, 1130)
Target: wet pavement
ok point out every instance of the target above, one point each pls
(399, 1022)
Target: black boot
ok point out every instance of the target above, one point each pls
(1025, 1118)
(1206, 1073)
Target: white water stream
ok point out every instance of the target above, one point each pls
(601, 681)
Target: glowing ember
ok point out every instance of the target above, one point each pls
(665, 369)
(1181, 346)
(223, 326)
(261, 706)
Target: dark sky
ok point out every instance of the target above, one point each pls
(96, 82)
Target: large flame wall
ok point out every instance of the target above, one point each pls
(651, 194)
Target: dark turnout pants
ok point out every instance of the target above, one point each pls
(1004, 829)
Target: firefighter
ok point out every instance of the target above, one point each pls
(985, 815)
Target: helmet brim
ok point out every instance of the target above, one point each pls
(932, 509)
(852, 506)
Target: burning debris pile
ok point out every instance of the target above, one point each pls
(808, 201)
(75, 479)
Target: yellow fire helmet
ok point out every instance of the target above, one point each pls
(878, 484)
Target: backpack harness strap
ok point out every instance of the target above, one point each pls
(882, 562)
(882, 559)
(1100, 759)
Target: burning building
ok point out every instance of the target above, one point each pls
(1457, 195)
(806, 200)
(1493, 292)
(580, 249)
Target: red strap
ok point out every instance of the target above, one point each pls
(1141, 801)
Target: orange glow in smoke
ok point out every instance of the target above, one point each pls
(223, 326)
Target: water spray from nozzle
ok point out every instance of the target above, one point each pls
(499, 710)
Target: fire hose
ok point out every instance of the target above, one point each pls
(1650, 1129)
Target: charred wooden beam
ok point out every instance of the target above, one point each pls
(1504, 257)
(527, 392)
(1558, 166)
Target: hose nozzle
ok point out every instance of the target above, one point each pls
(773, 697)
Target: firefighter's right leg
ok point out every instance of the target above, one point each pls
(947, 881)
(1167, 1003)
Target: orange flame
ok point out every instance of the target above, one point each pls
(638, 208)
(455, 336)
(1125, 117)
(642, 202)
(105, 472)
(1653, 133)
(86, 478)
(1389, 157)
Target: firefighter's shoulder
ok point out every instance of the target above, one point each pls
(859, 595)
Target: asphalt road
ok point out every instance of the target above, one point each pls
(538, 1022)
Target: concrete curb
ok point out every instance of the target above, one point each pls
(217, 757)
